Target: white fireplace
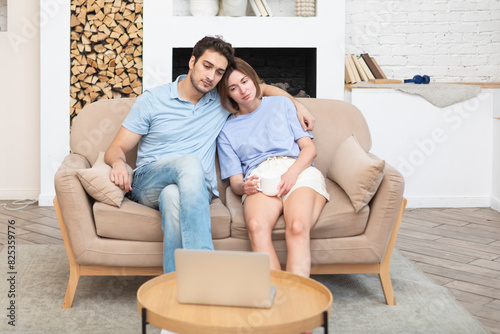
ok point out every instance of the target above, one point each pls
(167, 25)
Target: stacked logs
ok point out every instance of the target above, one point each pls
(106, 50)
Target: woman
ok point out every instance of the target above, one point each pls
(262, 135)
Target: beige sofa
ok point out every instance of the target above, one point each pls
(104, 239)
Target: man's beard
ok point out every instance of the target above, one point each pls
(200, 90)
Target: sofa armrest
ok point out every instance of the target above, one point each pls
(75, 204)
(384, 208)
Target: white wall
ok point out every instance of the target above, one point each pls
(495, 193)
(450, 40)
(446, 155)
(20, 102)
(54, 92)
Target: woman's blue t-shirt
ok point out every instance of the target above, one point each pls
(270, 130)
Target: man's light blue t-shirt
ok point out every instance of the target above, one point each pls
(172, 127)
(270, 130)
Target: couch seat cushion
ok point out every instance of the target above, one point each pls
(338, 218)
(133, 221)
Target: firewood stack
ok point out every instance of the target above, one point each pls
(106, 51)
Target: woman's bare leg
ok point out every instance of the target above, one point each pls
(261, 214)
(301, 211)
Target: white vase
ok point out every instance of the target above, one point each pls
(235, 7)
(204, 7)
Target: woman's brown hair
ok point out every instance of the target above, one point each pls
(223, 88)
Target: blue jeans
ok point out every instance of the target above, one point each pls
(177, 187)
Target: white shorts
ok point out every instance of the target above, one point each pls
(311, 177)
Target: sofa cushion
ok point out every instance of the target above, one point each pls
(338, 218)
(356, 172)
(134, 221)
(96, 182)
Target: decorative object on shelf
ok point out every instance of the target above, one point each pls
(260, 8)
(305, 7)
(234, 7)
(418, 79)
(204, 7)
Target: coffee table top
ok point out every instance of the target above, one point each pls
(298, 306)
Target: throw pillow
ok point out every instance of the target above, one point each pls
(356, 172)
(96, 182)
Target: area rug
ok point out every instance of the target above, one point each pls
(36, 285)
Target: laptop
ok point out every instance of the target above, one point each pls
(228, 278)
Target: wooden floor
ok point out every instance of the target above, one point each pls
(456, 248)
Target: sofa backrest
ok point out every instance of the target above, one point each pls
(335, 121)
(97, 124)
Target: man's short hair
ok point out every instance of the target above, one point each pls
(215, 44)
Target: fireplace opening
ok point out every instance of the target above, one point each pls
(292, 69)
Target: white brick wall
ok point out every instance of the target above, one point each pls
(3, 15)
(449, 40)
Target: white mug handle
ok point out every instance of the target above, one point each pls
(259, 186)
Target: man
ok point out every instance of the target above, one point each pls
(176, 126)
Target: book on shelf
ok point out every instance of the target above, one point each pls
(266, 6)
(371, 66)
(360, 70)
(385, 81)
(368, 73)
(262, 9)
(349, 74)
(378, 67)
(357, 78)
(255, 9)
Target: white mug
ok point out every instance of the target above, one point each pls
(268, 183)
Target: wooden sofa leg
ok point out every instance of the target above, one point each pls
(74, 277)
(384, 276)
(385, 281)
(74, 267)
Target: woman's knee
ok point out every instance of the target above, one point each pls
(297, 228)
(256, 227)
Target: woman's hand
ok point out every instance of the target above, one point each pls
(250, 185)
(287, 182)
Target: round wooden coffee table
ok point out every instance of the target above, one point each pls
(300, 304)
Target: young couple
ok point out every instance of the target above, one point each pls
(176, 128)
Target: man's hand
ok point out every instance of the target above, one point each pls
(119, 176)
(123, 142)
(306, 119)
